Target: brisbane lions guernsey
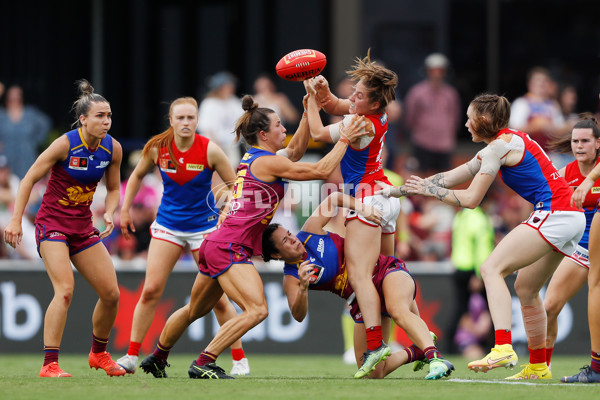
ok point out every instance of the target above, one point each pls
(590, 203)
(536, 179)
(187, 204)
(326, 252)
(72, 184)
(252, 206)
(361, 168)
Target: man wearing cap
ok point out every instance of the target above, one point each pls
(432, 114)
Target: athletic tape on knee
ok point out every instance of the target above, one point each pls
(534, 319)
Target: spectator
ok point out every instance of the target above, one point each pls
(9, 183)
(432, 114)
(266, 95)
(219, 112)
(22, 130)
(475, 326)
(537, 113)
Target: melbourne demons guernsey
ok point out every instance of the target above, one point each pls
(252, 206)
(536, 179)
(361, 168)
(72, 184)
(187, 203)
(590, 203)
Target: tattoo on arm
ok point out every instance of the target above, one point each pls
(443, 194)
(438, 180)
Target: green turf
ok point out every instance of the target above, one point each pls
(280, 377)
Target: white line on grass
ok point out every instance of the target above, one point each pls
(509, 382)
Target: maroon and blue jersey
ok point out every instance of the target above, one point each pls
(536, 179)
(326, 252)
(361, 168)
(72, 185)
(187, 203)
(252, 206)
(590, 203)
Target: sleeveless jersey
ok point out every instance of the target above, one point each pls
(536, 179)
(187, 203)
(590, 203)
(327, 253)
(252, 206)
(72, 185)
(361, 168)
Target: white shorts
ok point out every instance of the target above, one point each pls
(581, 256)
(194, 239)
(561, 229)
(390, 206)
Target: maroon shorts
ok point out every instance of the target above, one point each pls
(391, 264)
(214, 258)
(76, 242)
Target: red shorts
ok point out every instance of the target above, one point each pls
(76, 242)
(214, 258)
(381, 270)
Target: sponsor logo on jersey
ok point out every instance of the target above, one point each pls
(79, 163)
(595, 190)
(321, 247)
(315, 274)
(78, 151)
(167, 165)
(194, 167)
(103, 164)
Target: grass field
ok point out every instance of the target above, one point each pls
(281, 377)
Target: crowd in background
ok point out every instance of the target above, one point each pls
(423, 138)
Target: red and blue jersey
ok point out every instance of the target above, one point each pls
(536, 179)
(252, 206)
(187, 203)
(590, 203)
(361, 168)
(72, 185)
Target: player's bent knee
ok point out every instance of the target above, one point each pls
(258, 314)
(111, 297)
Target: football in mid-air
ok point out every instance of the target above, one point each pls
(299, 65)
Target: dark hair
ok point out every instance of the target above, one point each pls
(165, 139)
(254, 120)
(268, 244)
(82, 105)
(495, 108)
(586, 121)
(379, 81)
